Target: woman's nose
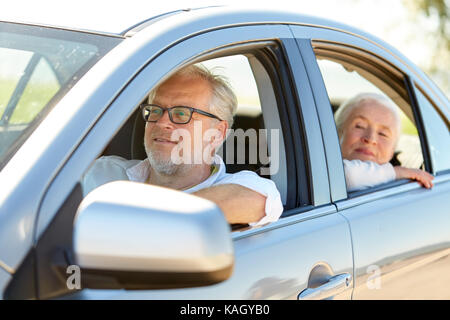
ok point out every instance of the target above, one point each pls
(369, 136)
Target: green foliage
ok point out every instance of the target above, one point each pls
(442, 10)
(437, 11)
(34, 98)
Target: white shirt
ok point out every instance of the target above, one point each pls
(112, 168)
(361, 175)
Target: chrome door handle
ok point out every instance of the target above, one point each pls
(332, 287)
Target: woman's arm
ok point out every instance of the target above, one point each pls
(423, 177)
(361, 175)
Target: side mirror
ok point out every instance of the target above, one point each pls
(136, 236)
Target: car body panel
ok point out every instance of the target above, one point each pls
(271, 262)
(400, 238)
(319, 177)
(332, 151)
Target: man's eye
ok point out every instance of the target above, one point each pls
(383, 134)
(359, 126)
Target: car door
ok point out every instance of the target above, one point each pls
(401, 243)
(308, 251)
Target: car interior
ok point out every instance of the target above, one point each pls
(128, 141)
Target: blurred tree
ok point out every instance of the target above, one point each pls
(439, 12)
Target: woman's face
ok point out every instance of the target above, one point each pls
(369, 133)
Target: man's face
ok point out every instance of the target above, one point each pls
(161, 137)
(369, 133)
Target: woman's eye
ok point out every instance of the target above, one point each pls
(359, 126)
(383, 134)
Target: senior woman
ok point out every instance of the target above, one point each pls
(369, 127)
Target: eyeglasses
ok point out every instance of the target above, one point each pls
(177, 114)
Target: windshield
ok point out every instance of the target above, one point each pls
(38, 65)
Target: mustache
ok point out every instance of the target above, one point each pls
(161, 134)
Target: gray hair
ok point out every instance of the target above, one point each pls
(223, 102)
(346, 108)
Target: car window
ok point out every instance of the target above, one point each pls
(255, 141)
(240, 152)
(40, 88)
(437, 132)
(38, 65)
(343, 83)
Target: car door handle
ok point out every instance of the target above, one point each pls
(332, 287)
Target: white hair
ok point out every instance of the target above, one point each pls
(349, 105)
(223, 103)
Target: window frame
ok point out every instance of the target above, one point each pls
(385, 66)
(265, 52)
(416, 89)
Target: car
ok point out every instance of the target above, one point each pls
(71, 94)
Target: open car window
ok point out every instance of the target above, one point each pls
(346, 75)
(343, 83)
(255, 141)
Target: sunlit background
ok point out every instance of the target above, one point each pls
(420, 29)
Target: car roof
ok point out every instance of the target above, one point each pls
(118, 19)
(114, 18)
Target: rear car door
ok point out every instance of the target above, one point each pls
(401, 242)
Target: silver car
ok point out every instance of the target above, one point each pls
(70, 95)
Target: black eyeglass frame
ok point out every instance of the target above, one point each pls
(192, 110)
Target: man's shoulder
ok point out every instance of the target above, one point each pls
(106, 169)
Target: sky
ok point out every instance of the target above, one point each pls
(387, 19)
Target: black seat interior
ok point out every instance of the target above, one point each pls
(245, 123)
(126, 143)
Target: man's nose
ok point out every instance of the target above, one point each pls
(164, 121)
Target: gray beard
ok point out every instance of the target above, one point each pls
(162, 166)
(166, 166)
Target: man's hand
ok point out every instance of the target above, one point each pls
(239, 204)
(423, 177)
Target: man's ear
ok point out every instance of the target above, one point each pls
(220, 129)
(223, 127)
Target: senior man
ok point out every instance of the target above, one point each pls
(187, 118)
(369, 128)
